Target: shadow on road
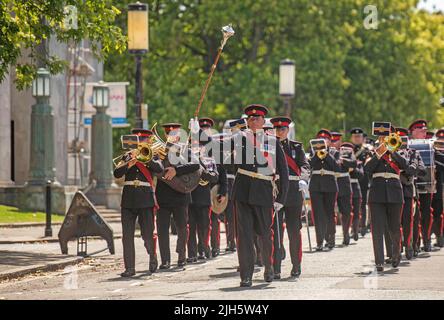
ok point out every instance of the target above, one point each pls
(254, 287)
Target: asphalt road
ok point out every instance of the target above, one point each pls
(343, 273)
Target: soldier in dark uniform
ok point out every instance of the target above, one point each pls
(437, 202)
(385, 201)
(207, 124)
(172, 202)
(258, 158)
(362, 153)
(138, 202)
(415, 168)
(199, 220)
(299, 171)
(418, 130)
(323, 191)
(349, 204)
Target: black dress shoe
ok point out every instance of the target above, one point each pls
(246, 282)
(165, 265)
(396, 262)
(153, 263)
(181, 263)
(215, 252)
(379, 268)
(409, 253)
(331, 246)
(277, 276)
(346, 241)
(428, 247)
(356, 236)
(201, 256)
(363, 231)
(268, 276)
(319, 248)
(128, 273)
(192, 260)
(388, 260)
(296, 271)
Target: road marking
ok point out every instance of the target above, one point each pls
(118, 290)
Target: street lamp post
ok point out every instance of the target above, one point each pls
(287, 78)
(42, 163)
(101, 144)
(138, 37)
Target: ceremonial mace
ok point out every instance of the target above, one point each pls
(227, 32)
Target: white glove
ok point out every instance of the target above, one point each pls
(194, 125)
(303, 186)
(277, 206)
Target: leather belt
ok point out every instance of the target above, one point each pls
(255, 175)
(323, 172)
(386, 175)
(230, 176)
(354, 180)
(291, 178)
(342, 174)
(137, 183)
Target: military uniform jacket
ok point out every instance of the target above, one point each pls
(295, 151)
(415, 167)
(141, 196)
(325, 183)
(439, 161)
(255, 191)
(357, 174)
(201, 196)
(344, 183)
(385, 190)
(167, 196)
(362, 154)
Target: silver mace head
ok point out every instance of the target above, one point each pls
(228, 32)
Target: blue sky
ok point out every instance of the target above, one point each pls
(429, 4)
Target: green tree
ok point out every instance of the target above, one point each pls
(25, 25)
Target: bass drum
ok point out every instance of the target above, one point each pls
(184, 183)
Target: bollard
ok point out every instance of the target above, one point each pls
(48, 228)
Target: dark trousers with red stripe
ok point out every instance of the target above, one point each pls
(199, 230)
(356, 209)
(345, 208)
(229, 225)
(215, 231)
(437, 206)
(253, 221)
(386, 216)
(180, 215)
(145, 218)
(416, 227)
(407, 222)
(425, 202)
(364, 193)
(323, 210)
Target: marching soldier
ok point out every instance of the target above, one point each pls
(299, 171)
(418, 130)
(349, 193)
(362, 153)
(258, 158)
(200, 208)
(206, 124)
(385, 201)
(323, 191)
(437, 202)
(138, 202)
(172, 202)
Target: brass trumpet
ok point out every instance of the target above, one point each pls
(321, 153)
(393, 142)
